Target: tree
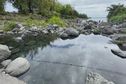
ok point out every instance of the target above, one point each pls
(116, 10)
(2, 2)
(117, 13)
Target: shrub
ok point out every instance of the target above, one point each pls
(56, 20)
(118, 18)
(33, 22)
(9, 25)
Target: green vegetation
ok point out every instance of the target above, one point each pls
(46, 8)
(56, 20)
(33, 22)
(2, 2)
(37, 13)
(117, 13)
(9, 25)
(30, 21)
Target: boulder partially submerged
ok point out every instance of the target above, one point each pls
(95, 78)
(119, 53)
(17, 67)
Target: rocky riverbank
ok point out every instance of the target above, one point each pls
(18, 66)
(117, 32)
(11, 69)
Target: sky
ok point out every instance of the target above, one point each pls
(93, 8)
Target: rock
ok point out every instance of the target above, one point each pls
(123, 25)
(7, 79)
(17, 67)
(4, 52)
(71, 32)
(18, 39)
(119, 53)
(64, 36)
(107, 31)
(121, 38)
(95, 78)
(6, 62)
(1, 31)
(18, 27)
(122, 46)
(88, 27)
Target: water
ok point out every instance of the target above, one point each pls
(57, 61)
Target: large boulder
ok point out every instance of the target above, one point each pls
(108, 31)
(72, 32)
(17, 67)
(6, 62)
(7, 79)
(95, 78)
(119, 53)
(4, 52)
(69, 33)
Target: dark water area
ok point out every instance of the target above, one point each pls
(57, 61)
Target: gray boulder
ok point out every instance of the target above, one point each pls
(4, 52)
(64, 35)
(6, 62)
(71, 32)
(95, 78)
(119, 53)
(17, 67)
(108, 31)
(7, 79)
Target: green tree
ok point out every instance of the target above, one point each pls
(116, 11)
(2, 2)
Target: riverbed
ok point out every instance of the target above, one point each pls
(57, 61)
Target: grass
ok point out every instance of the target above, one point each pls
(56, 20)
(9, 25)
(29, 21)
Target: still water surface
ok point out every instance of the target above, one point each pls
(58, 61)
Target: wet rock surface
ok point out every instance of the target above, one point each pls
(119, 53)
(95, 78)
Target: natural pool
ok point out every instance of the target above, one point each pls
(57, 61)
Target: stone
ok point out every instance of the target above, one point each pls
(71, 32)
(7, 79)
(95, 78)
(18, 66)
(6, 62)
(108, 31)
(4, 52)
(64, 35)
(119, 53)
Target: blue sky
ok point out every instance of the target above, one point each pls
(93, 8)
